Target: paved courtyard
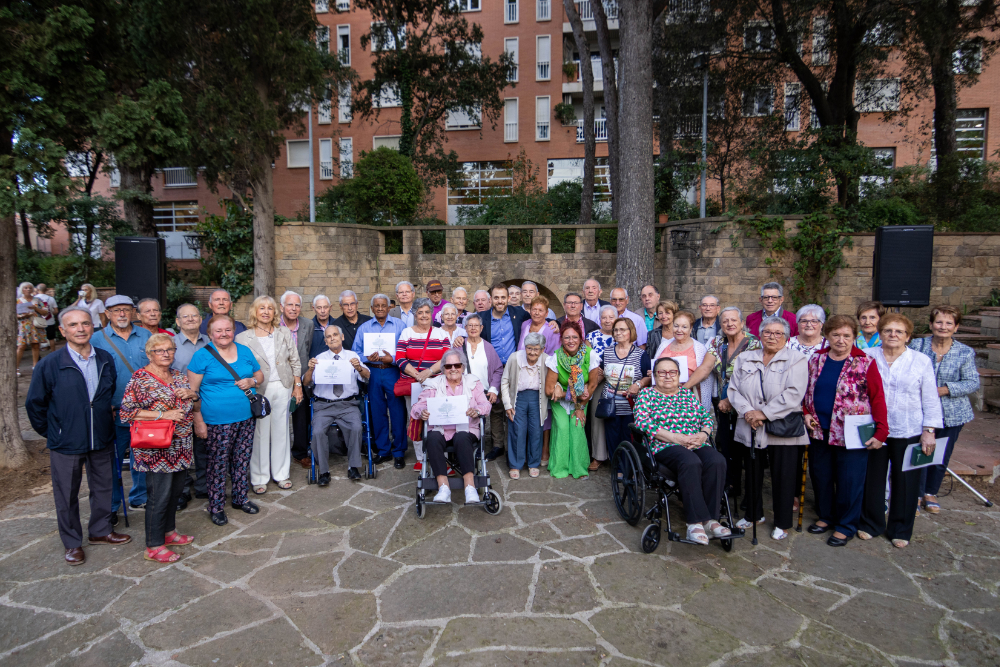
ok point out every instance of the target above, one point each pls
(349, 575)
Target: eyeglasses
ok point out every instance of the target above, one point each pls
(770, 298)
(164, 353)
(667, 374)
(772, 334)
(119, 311)
(809, 322)
(452, 367)
(574, 302)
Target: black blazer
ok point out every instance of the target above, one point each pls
(588, 325)
(517, 317)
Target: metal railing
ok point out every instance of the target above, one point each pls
(586, 10)
(689, 126)
(326, 169)
(543, 10)
(322, 6)
(324, 113)
(510, 131)
(600, 130)
(343, 5)
(597, 67)
(510, 14)
(179, 177)
(544, 71)
(542, 130)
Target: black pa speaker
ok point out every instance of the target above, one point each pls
(902, 265)
(141, 268)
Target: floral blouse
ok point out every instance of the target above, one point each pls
(680, 413)
(724, 373)
(145, 391)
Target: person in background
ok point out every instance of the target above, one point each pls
(320, 321)
(220, 302)
(599, 341)
(127, 344)
(350, 319)
(665, 311)
(957, 378)
(51, 325)
(435, 292)
(189, 341)
(303, 331)
(650, 297)
(150, 315)
(449, 324)
(526, 405)
(405, 294)
(772, 296)
(529, 291)
(869, 313)
(89, 301)
(810, 319)
(460, 299)
(278, 357)
(159, 392)
(537, 324)
(592, 302)
(481, 300)
(382, 376)
(573, 307)
(573, 373)
(28, 308)
(502, 327)
(626, 370)
(514, 297)
(915, 416)
(619, 299)
(69, 403)
(706, 327)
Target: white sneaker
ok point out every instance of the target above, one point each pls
(443, 495)
(778, 534)
(471, 495)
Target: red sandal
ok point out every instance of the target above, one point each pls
(176, 538)
(161, 555)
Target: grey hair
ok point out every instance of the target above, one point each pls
(608, 307)
(73, 309)
(455, 352)
(535, 339)
(710, 296)
(478, 291)
(595, 280)
(287, 294)
(148, 299)
(446, 307)
(625, 291)
(320, 296)
(457, 290)
(775, 319)
(510, 287)
(216, 291)
(371, 304)
(20, 287)
(529, 282)
(346, 292)
(404, 282)
(813, 308)
(422, 302)
(473, 316)
(739, 313)
(177, 313)
(333, 326)
(777, 286)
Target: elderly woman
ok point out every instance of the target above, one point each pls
(526, 405)
(484, 362)
(158, 392)
(538, 310)
(810, 319)
(28, 308)
(602, 338)
(88, 301)
(225, 419)
(664, 330)
(768, 385)
(277, 354)
(454, 382)
(955, 370)
(572, 375)
(843, 381)
(678, 427)
(626, 370)
(869, 313)
(599, 340)
(449, 324)
(695, 354)
(915, 415)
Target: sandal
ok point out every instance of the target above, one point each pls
(863, 535)
(532, 472)
(717, 529)
(778, 534)
(696, 533)
(900, 544)
(178, 539)
(260, 490)
(594, 465)
(285, 484)
(161, 555)
(515, 473)
(545, 463)
(931, 505)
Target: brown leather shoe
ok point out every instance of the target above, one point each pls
(112, 538)
(75, 556)
(305, 462)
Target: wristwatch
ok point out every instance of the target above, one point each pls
(928, 429)
(298, 384)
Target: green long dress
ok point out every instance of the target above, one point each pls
(568, 451)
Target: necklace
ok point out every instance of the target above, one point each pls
(269, 332)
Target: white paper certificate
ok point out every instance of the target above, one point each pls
(330, 371)
(682, 362)
(940, 445)
(852, 439)
(380, 342)
(448, 411)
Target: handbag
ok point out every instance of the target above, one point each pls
(260, 407)
(157, 434)
(606, 405)
(402, 386)
(791, 425)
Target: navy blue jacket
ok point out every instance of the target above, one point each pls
(58, 408)
(318, 342)
(518, 316)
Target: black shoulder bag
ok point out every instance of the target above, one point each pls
(260, 407)
(791, 425)
(606, 406)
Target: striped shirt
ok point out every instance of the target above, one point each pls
(626, 371)
(410, 348)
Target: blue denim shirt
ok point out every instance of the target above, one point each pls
(957, 371)
(502, 334)
(134, 349)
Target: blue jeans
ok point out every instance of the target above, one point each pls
(381, 400)
(931, 476)
(838, 478)
(123, 440)
(524, 434)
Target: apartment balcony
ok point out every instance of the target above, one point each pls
(600, 130)
(179, 177)
(586, 11)
(510, 132)
(688, 126)
(325, 170)
(577, 86)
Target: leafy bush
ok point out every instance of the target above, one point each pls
(565, 113)
(178, 293)
(477, 241)
(385, 190)
(227, 242)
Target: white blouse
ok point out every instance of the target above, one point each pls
(267, 342)
(478, 364)
(911, 396)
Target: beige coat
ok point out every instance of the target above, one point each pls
(508, 384)
(286, 356)
(785, 381)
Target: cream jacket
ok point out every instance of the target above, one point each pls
(286, 356)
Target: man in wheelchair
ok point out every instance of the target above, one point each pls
(336, 403)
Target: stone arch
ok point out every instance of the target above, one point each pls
(555, 300)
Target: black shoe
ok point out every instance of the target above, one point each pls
(816, 529)
(201, 495)
(137, 506)
(496, 453)
(186, 496)
(218, 518)
(382, 458)
(352, 473)
(837, 542)
(181, 504)
(247, 507)
(324, 479)
(399, 463)
(113, 519)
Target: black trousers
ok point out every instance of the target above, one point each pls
(465, 444)
(67, 473)
(194, 480)
(498, 427)
(786, 478)
(732, 450)
(162, 491)
(701, 474)
(902, 502)
(300, 431)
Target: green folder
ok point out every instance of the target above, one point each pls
(918, 458)
(866, 432)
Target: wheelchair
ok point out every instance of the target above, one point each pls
(371, 472)
(633, 471)
(426, 481)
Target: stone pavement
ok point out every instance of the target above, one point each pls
(349, 575)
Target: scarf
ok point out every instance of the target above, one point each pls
(571, 372)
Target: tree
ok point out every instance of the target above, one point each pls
(610, 97)
(425, 54)
(385, 188)
(589, 139)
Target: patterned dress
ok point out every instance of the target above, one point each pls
(27, 334)
(145, 391)
(677, 413)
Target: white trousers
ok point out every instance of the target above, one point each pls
(272, 453)
(418, 445)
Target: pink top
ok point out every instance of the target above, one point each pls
(478, 401)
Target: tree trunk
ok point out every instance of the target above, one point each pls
(610, 98)
(262, 184)
(945, 142)
(136, 195)
(25, 231)
(12, 451)
(589, 140)
(635, 197)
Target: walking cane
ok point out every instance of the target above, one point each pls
(802, 490)
(121, 484)
(985, 500)
(753, 484)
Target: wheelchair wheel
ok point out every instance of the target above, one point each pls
(650, 538)
(627, 483)
(727, 545)
(491, 502)
(420, 506)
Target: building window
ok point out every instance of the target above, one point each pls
(323, 38)
(821, 39)
(793, 106)
(758, 101)
(571, 169)
(885, 159)
(510, 120)
(387, 97)
(970, 132)
(757, 36)
(468, 5)
(459, 119)
(322, 6)
(325, 159)
(510, 46)
(479, 180)
(175, 216)
(387, 141)
(297, 154)
(543, 10)
(324, 112)
(968, 58)
(343, 5)
(344, 103)
(344, 43)
(877, 95)
(542, 118)
(510, 11)
(383, 39)
(347, 157)
(543, 58)
(179, 177)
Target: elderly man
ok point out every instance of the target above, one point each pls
(772, 296)
(320, 321)
(435, 292)
(650, 296)
(127, 345)
(351, 319)
(573, 305)
(514, 296)
(69, 404)
(302, 332)
(706, 327)
(619, 299)
(405, 293)
(150, 315)
(50, 320)
(189, 341)
(529, 291)
(592, 302)
(460, 299)
(481, 301)
(337, 403)
(383, 376)
(220, 303)
(502, 328)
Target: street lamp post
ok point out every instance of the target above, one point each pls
(701, 62)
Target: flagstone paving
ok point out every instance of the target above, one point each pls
(349, 575)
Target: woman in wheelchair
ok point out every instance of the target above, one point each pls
(454, 382)
(677, 426)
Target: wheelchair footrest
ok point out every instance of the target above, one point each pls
(455, 483)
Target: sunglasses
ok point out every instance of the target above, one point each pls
(452, 367)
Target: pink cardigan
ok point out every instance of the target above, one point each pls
(478, 401)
